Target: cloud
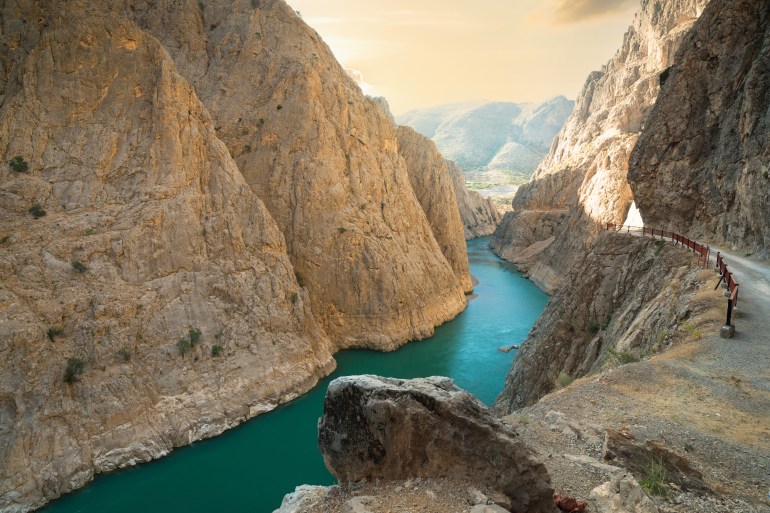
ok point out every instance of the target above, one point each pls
(573, 11)
(358, 77)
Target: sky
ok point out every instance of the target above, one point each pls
(422, 53)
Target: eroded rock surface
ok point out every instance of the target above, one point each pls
(396, 429)
(585, 172)
(700, 166)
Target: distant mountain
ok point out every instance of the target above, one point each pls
(492, 135)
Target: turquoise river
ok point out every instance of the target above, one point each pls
(251, 467)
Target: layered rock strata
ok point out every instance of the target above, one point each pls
(382, 428)
(700, 166)
(585, 171)
(150, 235)
(626, 296)
(324, 159)
(435, 190)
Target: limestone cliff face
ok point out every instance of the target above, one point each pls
(150, 230)
(585, 171)
(700, 166)
(324, 158)
(626, 295)
(431, 182)
(479, 214)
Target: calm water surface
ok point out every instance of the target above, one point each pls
(250, 468)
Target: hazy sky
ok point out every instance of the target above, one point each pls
(419, 53)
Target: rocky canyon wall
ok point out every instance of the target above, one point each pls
(203, 210)
(584, 175)
(701, 164)
(479, 215)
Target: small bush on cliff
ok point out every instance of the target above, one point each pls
(563, 380)
(79, 267)
(194, 334)
(75, 367)
(124, 355)
(53, 332)
(184, 346)
(216, 350)
(593, 327)
(36, 210)
(18, 164)
(621, 356)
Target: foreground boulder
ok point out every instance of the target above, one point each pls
(382, 428)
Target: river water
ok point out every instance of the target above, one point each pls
(250, 468)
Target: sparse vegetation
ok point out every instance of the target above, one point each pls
(294, 297)
(18, 164)
(194, 334)
(655, 477)
(79, 267)
(342, 229)
(593, 327)
(88, 232)
(247, 148)
(300, 278)
(213, 26)
(216, 350)
(688, 447)
(694, 332)
(184, 346)
(606, 322)
(36, 210)
(5, 239)
(563, 380)
(54, 331)
(75, 367)
(124, 355)
(621, 356)
(659, 246)
(278, 107)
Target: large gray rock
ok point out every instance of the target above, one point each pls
(621, 494)
(396, 429)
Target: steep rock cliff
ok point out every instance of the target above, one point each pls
(479, 215)
(435, 191)
(324, 158)
(585, 171)
(700, 166)
(150, 235)
(627, 295)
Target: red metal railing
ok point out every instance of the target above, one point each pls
(703, 253)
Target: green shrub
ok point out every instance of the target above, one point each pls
(36, 210)
(294, 297)
(622, 356)
(659, 246)
(563, 380)
(124, 355)
(194, 334)
(75, 367)
(606, 322)
(88, 232)
(688, 447)
(300, 278)
(655, 477)
(216, 350)
(54, 331)
(184, 346)
(593, 327)
(5, 239)
(692, 330)
(212, 26)
(18, 164)
(79, 267)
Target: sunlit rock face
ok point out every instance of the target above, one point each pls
(585, 171)
(700, 166)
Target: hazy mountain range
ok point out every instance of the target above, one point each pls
(494, 136)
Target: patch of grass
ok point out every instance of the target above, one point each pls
(655, 477)
(194, 334)
(216, 350)
(688, 447)
(55, 331)
(661, 337)
(606, 322)
(694, 332)
(79, 267)
(184, 346)
(300, 278)
(622, 356)
(88, 232)
(124, 355)
(659, 246)
(75, 368)
(5, 239)
(36, 210)
(18, 164)
(563, 380)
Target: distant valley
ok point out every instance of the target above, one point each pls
(498, 145)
